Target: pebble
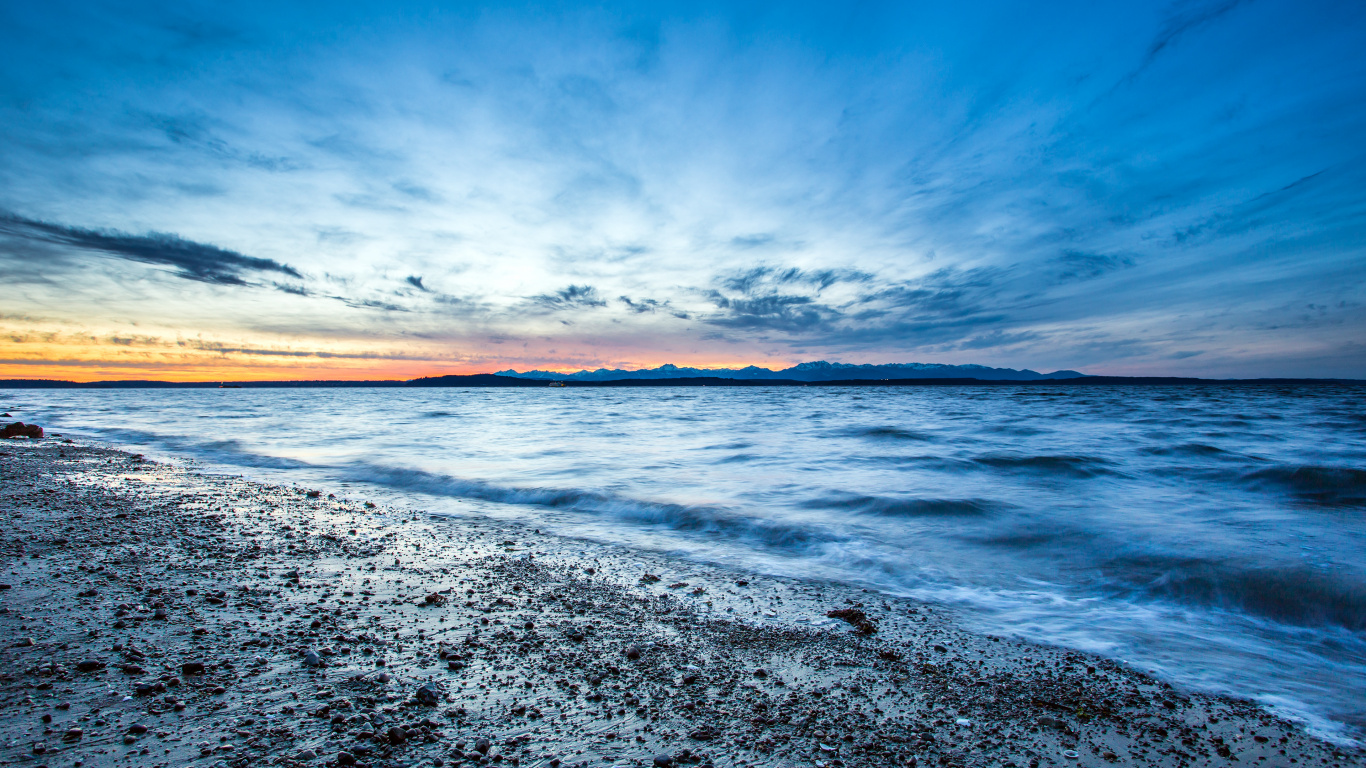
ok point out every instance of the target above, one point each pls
(312, 659)
(428, 694)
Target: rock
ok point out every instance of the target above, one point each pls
(964, 722)
(39, 748)
(20, 429)
(853, 616)
(428, 694)
(90, 665)
(632, 653)
(761, 673)
(396, 735)
(344, 758)
(312, 658)
(663, 760)
(137, 729)
(73, 734)
(482, 746)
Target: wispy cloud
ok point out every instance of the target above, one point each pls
(570, 297)
(188, 259)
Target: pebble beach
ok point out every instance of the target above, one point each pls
(153, 615)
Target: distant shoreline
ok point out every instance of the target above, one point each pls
(493, 380)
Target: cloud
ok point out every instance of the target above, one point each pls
(643, 306)
(570, 297)
(190, 260)
(415, 282)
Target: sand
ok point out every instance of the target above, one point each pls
(152, 615)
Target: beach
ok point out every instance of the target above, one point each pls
(153, 615)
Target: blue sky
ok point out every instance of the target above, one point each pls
(346, 189)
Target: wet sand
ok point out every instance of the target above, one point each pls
(154, 616)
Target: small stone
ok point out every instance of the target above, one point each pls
(73, 734)
(428, 694)
(27, 642)
(482, 746)
(397, 735)
(39, 748)
(632, 653)
(345, 758)
(312, 658)
(89, 665)
(663, 760)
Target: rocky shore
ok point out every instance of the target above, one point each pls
(154, 616)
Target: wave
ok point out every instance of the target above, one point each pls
(1187, 449)
(1293, 595)
(776, 534)
(226, 451)
(1329, 486)
(738, 458)
(1074, 466)
(886, 433)
(895, 507)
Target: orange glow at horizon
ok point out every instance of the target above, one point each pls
(87, 363)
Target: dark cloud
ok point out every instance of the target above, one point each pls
(1080, 265)
(791, 313)
(1185, 17)
(190, 260)
(642, 306)
(415, 282)
(570, 297)
(758, 279)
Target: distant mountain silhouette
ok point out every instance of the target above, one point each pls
(816, 371)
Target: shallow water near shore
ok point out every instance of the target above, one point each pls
(1214, 535)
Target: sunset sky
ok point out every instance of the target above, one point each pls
(388, 190)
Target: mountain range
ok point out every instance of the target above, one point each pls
(814, 371)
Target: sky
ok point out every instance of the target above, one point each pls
(342, 190)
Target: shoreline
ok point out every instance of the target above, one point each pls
(177, 618)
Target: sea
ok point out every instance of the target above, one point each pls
(1214, 535)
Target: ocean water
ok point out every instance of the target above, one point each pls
(1214, 535)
